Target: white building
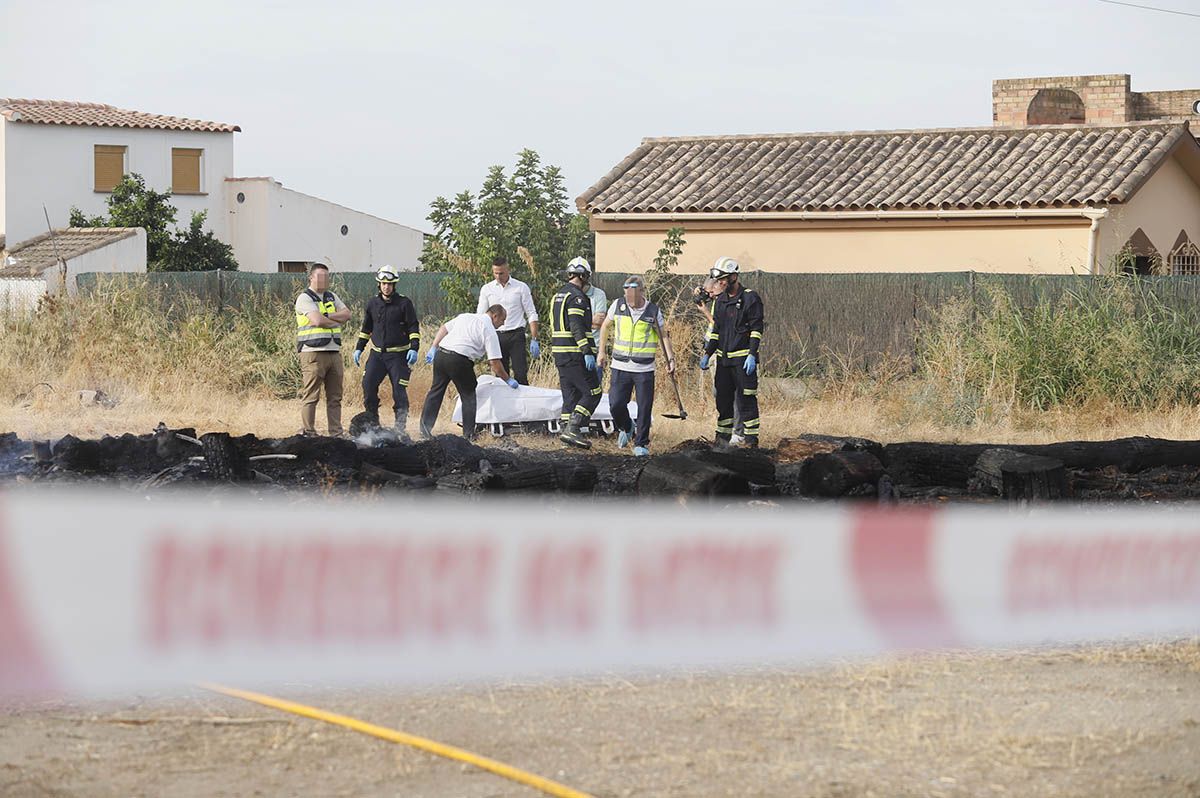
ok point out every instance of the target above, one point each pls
(272, 228)
(49, 263)
(62, 154)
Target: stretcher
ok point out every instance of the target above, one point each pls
(500, 408)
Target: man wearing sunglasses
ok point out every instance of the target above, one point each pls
(640, 329)
(733, 338)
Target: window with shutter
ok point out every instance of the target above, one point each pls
(109, 166)
(185, 170)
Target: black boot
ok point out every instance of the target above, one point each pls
(572, 435)
(721, 442)
(401, 421)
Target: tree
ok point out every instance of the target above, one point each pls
(196, 250)
(133, 204)
(525, 217)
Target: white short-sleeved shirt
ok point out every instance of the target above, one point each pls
(472, 335)
(514, 297)
(306, 305)
(636, 314)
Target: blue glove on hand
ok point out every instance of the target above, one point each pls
(589, 362)
(535, 349)
(704, 362)
(412, 357)
(429, 355)
(512, 383)
(357, 356)
(751, 364)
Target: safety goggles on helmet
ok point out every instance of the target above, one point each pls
(717, 274)
(387, 275)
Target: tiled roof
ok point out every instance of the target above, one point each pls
(60, 112)
(31, 258)
(1029, 167)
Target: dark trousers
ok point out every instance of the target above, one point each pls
(580, 388)
(736, 388)
(514, 355)
(620, 387)
(450, 367)
(393, 365)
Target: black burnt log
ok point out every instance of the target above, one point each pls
(223, 459)
(836, 474)
(1018, 476)
(686, 474)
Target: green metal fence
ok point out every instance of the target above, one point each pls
(811, 318)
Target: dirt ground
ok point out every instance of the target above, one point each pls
(1101, 721)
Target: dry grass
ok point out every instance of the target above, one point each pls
(191, 366)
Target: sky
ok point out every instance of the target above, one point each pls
(384, 106)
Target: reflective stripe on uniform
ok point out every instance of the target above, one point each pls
(636, 342)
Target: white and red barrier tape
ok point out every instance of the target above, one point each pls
(104, 593)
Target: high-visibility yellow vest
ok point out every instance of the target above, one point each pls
(636, 342)
(309, 334)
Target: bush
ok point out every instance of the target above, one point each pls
(1113, 341)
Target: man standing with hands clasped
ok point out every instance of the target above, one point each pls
(514, 296)
(734, 337)
(320, 314)
(458, 344)
(639, 330)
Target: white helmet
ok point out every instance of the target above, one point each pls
(579, 266)
(386, 274)
(724, 266)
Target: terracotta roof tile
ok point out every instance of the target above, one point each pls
(1028, 167)
(59, 112)
(31, 258)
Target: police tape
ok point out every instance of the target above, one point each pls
(104, 594)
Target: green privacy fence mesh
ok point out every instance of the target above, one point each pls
(811, 318)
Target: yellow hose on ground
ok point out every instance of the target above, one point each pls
(391, 735)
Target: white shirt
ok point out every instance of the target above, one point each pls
(635, 314)
(514, 297)
(472, 335)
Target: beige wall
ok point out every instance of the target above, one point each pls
(1167, 203)
(1037, 248)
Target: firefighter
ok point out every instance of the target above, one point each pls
(733, 338)
(574, 352)
(392, 336)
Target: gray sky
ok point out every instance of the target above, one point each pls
(382, 107)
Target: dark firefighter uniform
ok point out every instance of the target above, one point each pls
(736, 331)
(571, 340)
(389, 330)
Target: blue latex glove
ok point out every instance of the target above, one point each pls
(535, 349)
(429, 355)
(751, 364)
(704, 362)
(512, 383)
(412, 357)
(357, 356)
(589, 362)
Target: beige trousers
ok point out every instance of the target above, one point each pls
(321, 370)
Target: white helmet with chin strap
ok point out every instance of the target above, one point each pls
(579, 267)
(386, 274)
(724, 267)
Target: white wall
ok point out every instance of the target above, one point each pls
(20, 294)
(54, 165)
(3, 125)
(126, 255)
(299, 227)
